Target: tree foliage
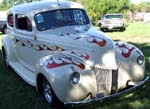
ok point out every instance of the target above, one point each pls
(6, 4)
(97, 8)
(142, 7)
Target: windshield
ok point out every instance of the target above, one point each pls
(59, 18)
(113, 16)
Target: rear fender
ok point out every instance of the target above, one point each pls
(8, 46)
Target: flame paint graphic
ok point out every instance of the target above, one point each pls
(63, 63)
(52, 48)
(126, 55)
(100, 43)
(44, 47)
(85, 56)
(95, 40)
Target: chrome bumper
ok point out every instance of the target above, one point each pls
(102, 99)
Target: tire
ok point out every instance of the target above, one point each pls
(103, 30)
(122, 29)
(47, 91)
(49, 94)
(4, 31)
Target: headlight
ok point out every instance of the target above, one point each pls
(140, 60)
(75, 78)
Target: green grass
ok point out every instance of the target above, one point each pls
(138, 32)
(17, 94)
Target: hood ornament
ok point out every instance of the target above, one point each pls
(58, 2)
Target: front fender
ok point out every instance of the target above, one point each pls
(58, 69)
(129, 69)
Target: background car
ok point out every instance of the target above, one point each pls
(112, 22)
(3, 26)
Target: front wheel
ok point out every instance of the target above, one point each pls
(47, 91)
(49, 94)
(123, 29)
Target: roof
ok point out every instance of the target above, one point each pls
(36, 7)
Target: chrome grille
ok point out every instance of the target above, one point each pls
(104, 80)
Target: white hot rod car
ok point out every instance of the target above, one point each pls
(53, 47)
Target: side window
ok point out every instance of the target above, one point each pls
(23, 22)
(79, 16)
(10, 20)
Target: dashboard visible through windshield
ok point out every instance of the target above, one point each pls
(60, 18)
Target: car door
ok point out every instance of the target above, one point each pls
(24, 41)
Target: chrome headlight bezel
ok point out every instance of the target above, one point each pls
(75, 78)
(140, 60)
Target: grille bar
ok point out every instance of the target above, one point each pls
(104, 80)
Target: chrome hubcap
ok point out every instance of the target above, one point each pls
(47, 92)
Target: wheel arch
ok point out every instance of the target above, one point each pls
(8, 47)
(39, 79)
(3, 51)
(39, 82)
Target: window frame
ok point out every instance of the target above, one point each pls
(86, 16)
(10, 21)
(28, 25)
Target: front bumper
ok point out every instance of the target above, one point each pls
(102, 99)
(112, 26)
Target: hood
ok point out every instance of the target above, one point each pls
(91, 45)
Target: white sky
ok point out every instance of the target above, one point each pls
(138, 1)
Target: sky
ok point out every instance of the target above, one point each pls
(139, 1)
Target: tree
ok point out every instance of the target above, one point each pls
(6, 4)
(97, 8)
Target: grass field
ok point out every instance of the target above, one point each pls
(135, 32)
(16, 94)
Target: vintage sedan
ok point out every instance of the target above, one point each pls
(53, 47)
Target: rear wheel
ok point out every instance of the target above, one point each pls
(5, 59)
(4, 31)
